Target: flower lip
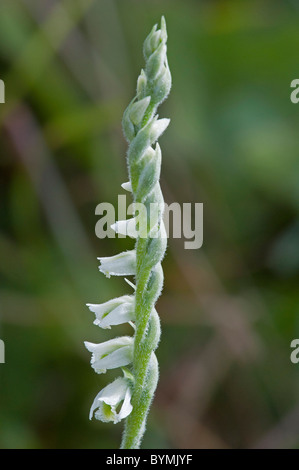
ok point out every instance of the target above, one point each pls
(115, 395)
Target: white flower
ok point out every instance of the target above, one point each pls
(114, 312)
(123, 264)
(111, 354)
(107, 402)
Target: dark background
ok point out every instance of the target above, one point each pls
(229, 310)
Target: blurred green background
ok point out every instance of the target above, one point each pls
(230, 309)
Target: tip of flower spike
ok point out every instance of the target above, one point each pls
(163, 28)
(151, 42)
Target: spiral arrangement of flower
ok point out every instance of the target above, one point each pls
(130, 396)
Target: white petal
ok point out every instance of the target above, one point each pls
(114, 312)
(127, 186)
(111, 354)
(103, 309)
(126, 406)
(124, 313)
(158, 127)
(123, 264)
(126, 227)
(120, 357)
(109, 398)
(111, 395)
(108, 346)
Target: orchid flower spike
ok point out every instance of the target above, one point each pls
(130, 396)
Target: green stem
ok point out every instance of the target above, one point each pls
(145, 367)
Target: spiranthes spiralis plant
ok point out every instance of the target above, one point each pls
(129, 396)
